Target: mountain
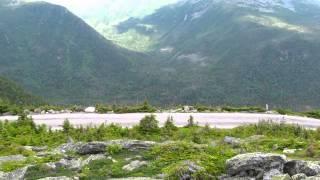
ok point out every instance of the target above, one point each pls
(202, 51)
(237, 52)
(102, 15)
(56, 55)
(11, 92)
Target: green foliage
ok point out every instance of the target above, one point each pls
(145, 107)
(12, 165)
(178, 170)
(191, 122)
(11, 93)
(242, 109)
(103, 108)
(67, 127)
(169, 126)
(168, 157)
(149, 125)
(4, 107)
(42, 171)
(114, 149)
(201, 145)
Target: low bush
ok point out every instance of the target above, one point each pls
(114, 149)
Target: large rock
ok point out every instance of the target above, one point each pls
(57, 178)
(36, 148)
(133, 145)
(280, 177)
(134, 178)
(4, 159)
(91, 148)
(72, 164)
(313, 177)
(234, 142)
(100, 147)
(308, 168)
(255, 165)
(18, 174)
(273, 174)
(134, 165)
(188, 169)
(92, 158)
(300, 176)
(67, 147)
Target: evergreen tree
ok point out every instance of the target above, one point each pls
(67, 127)
(169, 125)
(148, 125)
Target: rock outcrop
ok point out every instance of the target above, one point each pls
(255, 164)
(134, 165)
(308, 168)
(58, 178)
(4, 159)
(188, 169)
(18, 174)
(260, 166)
(91, 148)
(93, 158)
(100, 147)
(234, 142)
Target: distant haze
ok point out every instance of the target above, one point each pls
(110, 10)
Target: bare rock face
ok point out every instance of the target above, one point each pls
(134, 145)
(4, 159)
(72, 164)
(187, 169)
(308, 168)
(91, 148)
(134, 165)
(93, 158)
(57, 178)
(18, 174)
(281, 177)
(256, 165)
(234, 142)
(300, 176)
(100, 147)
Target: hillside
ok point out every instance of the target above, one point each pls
(207, 52)
(237, 52)
(14, 94)
(56, 55)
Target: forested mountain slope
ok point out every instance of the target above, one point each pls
(56, 55)
(12, 93)
(238, 52)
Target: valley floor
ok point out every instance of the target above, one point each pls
(218, 120)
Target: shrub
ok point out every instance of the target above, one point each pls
(67, 127)
(103, 108)
(4, 107)
(311, 151)
(186, 169)
(169, 125)
(114, 149)
(149, 125)
(191, 122)
(12, 165)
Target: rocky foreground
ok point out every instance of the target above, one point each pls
(248, 166)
